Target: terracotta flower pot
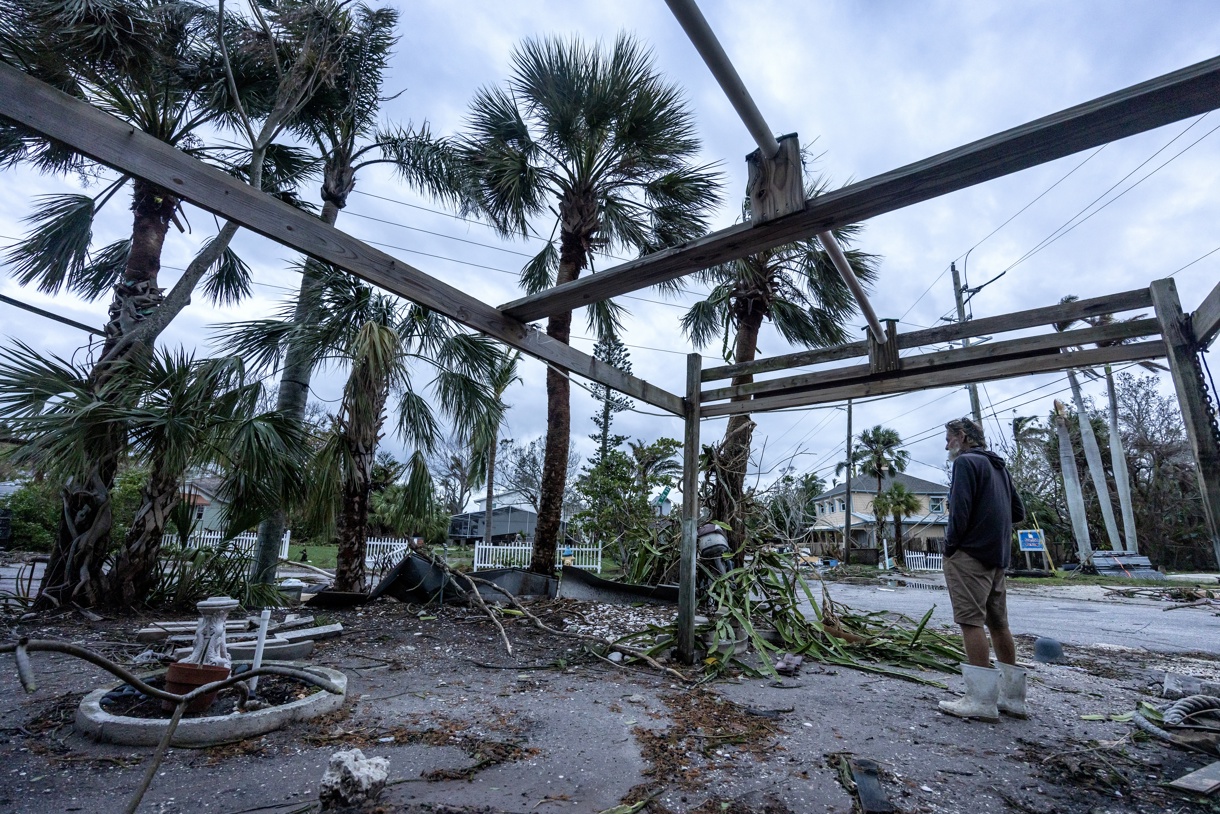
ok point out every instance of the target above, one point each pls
(182, 677)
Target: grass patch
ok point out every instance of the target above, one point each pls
(1075, 578)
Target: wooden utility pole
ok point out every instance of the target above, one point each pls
(975, 409)
(690, 513)
(847, 488)
(1198, 413)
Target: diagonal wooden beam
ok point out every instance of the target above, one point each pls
(1146, 106)
(104, 138)
(1206, 318)
(884, 384)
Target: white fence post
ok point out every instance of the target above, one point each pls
(518, 555)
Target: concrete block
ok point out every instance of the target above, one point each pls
(316, 633)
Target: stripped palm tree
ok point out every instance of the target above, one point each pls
(879, 454)
(384, 346)
(487, 434)
(341, 123)
(796, 288)
(897, 502)
(598, 138)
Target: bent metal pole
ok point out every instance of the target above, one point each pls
(704, 39)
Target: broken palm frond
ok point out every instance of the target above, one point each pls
(185, 576)
(769, 593)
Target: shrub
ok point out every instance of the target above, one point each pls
(35, 507)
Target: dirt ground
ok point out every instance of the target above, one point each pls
(468, 728)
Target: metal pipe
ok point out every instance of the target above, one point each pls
(841, 265)
(704, 39)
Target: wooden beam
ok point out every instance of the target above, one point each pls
(1139, 108)
(943, 360)
(1206, 319)
(689, 549)
(928, 380)
(1017, 320)
(1192, 399)
(109, 141)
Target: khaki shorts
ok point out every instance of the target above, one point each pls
(976, 591)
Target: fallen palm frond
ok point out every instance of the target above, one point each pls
(769, 603)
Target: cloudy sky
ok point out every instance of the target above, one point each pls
(872, 86)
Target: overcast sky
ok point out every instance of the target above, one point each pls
(872, 86)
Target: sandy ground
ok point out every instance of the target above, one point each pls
(553, 728)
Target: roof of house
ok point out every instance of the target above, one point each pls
(867, 485)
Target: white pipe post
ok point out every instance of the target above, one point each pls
(264, 617)
(704, 39)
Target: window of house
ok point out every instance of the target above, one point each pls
(937, 505)
(198, 512)
(842, 505)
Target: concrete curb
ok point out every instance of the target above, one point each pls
(100, 725)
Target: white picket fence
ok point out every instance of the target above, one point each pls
(246, 542)
(378, 550)
(518, 555)
(925, 561)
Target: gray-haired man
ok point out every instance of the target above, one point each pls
(983, 505)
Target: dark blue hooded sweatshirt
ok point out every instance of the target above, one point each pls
(983, 505)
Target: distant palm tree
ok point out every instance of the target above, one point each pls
(797, 289)
(487, 432)
(598, 138)
(897, 502)
(878, 453)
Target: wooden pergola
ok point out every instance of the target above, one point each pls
(780, 218)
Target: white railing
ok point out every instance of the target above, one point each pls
(925, 561)
(385, 550)
(518, 555)
(246, 542)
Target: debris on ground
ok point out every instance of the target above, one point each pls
(352, 780)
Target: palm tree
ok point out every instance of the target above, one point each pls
(383, 345)
(797, 289)
(341, 123)
(175, 414)
(879, 454)
(656, 464)
(600, 139)
(896, 502)
(177, 71)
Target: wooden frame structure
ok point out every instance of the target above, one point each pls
(1172, 334)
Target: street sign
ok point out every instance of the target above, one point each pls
(1031, 540)
(661, 497)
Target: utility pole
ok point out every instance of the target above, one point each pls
(975, 409)
(847, 486)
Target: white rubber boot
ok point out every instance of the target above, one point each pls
(982, 694)
(1012, 691)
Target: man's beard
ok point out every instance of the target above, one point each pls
(953, 453)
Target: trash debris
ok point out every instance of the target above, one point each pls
(352, 780)
(789, 664)
(868, 787)
(1048, 650)
(1203, 781)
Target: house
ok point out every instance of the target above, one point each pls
(513, 517)
(922, 531)
(202, 493)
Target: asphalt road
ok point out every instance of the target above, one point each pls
(1083, 621)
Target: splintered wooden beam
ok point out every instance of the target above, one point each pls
(1146, 106)
(1016, 321)
(104, 138)
(1042, 345)
(1206, 319)
(924, 379)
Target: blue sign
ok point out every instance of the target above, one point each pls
(1031, 540)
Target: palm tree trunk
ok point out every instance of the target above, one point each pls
(129, 582)
(491, 481)
(572, 258)
(1118, 462)
(899, 552)
(1071, 489)
(360, 434)
(292, 399)
(1097, 471)
(738, 436)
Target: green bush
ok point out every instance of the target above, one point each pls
(35, 508)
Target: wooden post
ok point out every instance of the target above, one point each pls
(1192, 399)
(774, 185)
(883, 358)
(690, 513)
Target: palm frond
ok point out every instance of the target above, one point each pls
(56, 249)
(228, 281)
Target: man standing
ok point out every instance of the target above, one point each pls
(982, 509)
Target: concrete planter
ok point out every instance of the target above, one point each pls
(100, 725)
